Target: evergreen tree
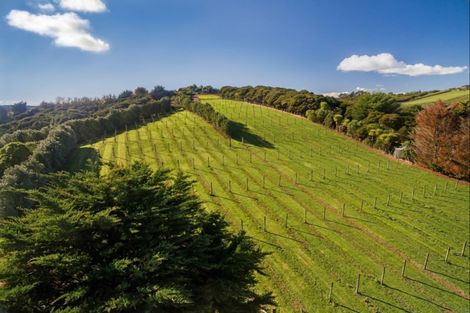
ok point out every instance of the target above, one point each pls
(132, 241)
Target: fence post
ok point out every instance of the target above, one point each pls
(447, 255)
(330, 293)
(383, 276)
(425, 265)
(463, 248)
(344, 208)
(403, 269)
(264, 223)
(358, 283)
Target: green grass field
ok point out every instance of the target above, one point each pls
(325, 186)
(448, 96)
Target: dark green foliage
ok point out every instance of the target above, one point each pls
(297, 102)
(3, 114)
(24, 135)
(125, 94)
(12, 154)
(133, 241)
(377, 102)
(195, 90)
(19, 108)
(159, 92)
(374, 118)
(207, 112)
(51, 154)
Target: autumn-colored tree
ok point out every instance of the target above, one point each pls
(441, 139)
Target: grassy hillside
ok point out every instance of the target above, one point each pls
(333, 208)
(447, 96)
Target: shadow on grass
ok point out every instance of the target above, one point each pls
(306, 232)
(346, 307)
(282, 236)
(448, 276)
(241, 133)
(417, 297)
(385, 302)
(326, 228)
(440, 289)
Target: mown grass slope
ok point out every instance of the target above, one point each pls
(450, 96)
(333, 208)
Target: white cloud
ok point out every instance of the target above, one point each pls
(67, 29)
(83, 5)
(46, 7)
(385, 63)
(335, 94)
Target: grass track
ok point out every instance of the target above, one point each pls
(308, 170)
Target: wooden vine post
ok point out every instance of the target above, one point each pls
(447, 255)
(358, 282)
(403, 270)
(330, 293)
(425, 265)
(382, 277)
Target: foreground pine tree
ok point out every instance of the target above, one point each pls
(133, 241)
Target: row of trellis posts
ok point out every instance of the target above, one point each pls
(311, 175)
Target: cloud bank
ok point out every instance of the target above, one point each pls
(94, 6)
(385, 63)
(46, 7)
(67, 29)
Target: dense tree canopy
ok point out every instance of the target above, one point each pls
(12, 154)
(374, 118)
(54, 144)
(19, 107)
(441, 138)
(133, 241)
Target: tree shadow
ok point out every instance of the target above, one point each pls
(241, 133)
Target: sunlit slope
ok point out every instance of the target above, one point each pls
(448, 96)
(288, 167)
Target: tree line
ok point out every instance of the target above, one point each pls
(50, 153)
(207, 112)
(378, 120)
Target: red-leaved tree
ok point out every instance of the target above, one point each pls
(441, 139)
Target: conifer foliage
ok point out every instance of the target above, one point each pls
(133, 241)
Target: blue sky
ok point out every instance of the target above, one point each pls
(45, 52)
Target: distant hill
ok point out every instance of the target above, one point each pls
(451, 95)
